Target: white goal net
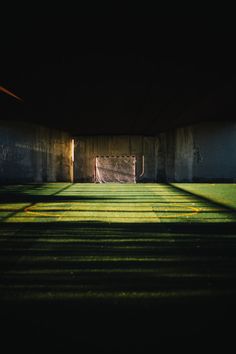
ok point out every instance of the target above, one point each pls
(119, 169)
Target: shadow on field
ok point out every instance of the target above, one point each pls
(117, 287)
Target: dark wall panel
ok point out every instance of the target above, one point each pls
(32, 153)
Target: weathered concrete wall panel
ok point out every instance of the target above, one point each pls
(184, 154)
(202, 152)
(214, 151)
(166, 157)
(31, 153)
(88, 147)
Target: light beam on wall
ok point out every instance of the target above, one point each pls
(73, 150)
(4, 90)
(72, 159)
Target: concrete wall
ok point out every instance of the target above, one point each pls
(214, 151)
(184, 154)
(166, 156)
(32, 153)
(88, 147)
(202, 152)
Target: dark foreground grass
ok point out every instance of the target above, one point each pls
(158, 270)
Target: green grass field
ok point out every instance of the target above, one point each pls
(146, 247)
(138, 203)
(224, 194)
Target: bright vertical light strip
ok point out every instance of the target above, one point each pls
(3, 89)
(72, 159)
(72, 150)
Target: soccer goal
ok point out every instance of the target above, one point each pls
(115, 169)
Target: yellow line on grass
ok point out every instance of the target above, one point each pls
(194, 210)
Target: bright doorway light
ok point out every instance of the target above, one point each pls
(72, 150)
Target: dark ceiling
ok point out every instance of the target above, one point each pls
(132, 76)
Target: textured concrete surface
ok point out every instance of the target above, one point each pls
(88, 147)
(32, 153)
(214, 151)
(202, 152)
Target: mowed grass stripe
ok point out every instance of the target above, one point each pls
(121, 212)
(79, 258)
(116, 296)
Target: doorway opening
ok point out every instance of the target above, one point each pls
(72, 159)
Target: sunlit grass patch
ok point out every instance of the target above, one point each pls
(122, 203)
(222, 193)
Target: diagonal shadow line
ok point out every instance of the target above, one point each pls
(63, 189)
(32, 204)
(11, 188)
(24, 188)
(204, 199)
